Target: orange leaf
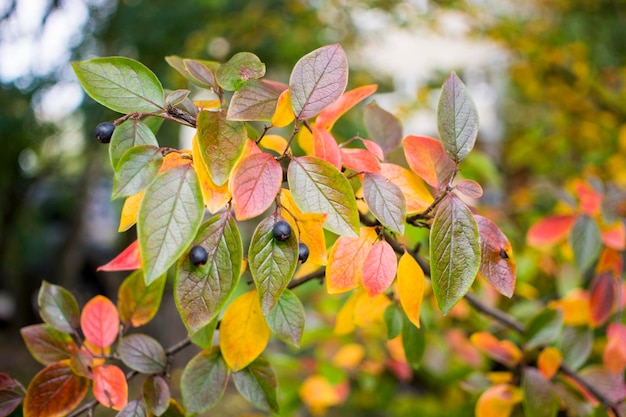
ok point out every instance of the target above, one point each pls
(614, 236)
(243, 331)
(603, 292)
(610, 261)
(550, 230)
(503, 351)
(128, 260)
(110, 387)
(215, 196)
(129, 211)
(374, 148)
(349, 356)
(318, 394)
(359, 160)
(549, 361)
(590, 199)
(379, 268)
(175, 159)
(344, 323)
(325, 147)
(428, 159)
(345, 260)
(255, 183)
(100, 321)
(283, 115)
(411, 283)
(418, 198)
(614, 356)
(308, 226)
(498, 401)
(327, 117)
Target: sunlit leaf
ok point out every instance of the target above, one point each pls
(46, 344)
(110, 387)
(359, 160)
(345, 261)
(543, 328)
(614, 235)
(156, 394)
(614, 355)
(204, 381)
(121, 84)
(255, 183)
(54, 391)
(550, 230)
(318, 187)
(275, 143)
(318, 394)
(142, 353)
(201, 291)
(384, 128)
(457, 118)
(272, 262)
(128, 260)
(169, 217)
(549, 361)
(58, 307)
(604, 293)
(240, 68)
(379, 268)
(498, 401)
(243, 331)
(502, 351)
(257, 383)
(329, 115)
(411, 284)
(539, 397)
(325, 147)
(130, 209)
(287, 318)
(100, 321)
(428, 159)
(417, 196)
(497, 263)
(586, 242)
(215, 197)
(256, 100)
(385, 200)
(135, 170)
(454, 252)
(283, 114)
(317, 80)
(137, 302)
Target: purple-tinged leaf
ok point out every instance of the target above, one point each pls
(255, 184)
(235, 73)
(385, 200)
(257, 384)
(46, 344)
(204, 381)
(156, 394)
(497, 263)
(255, 101)
(286, 319)
(384, 128)
(469, 188)
(201, 73)
(142, 353)
(135, 408)
(9, 400)
(58, 307)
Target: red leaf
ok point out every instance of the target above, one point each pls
(610, 261)
(128, 260)
(110, 387)
(550, 230)
(614, 236)
(255, 183)
(359, 160)
(327, 117)
(497, 264)
(614, 357)
(54, 391)
(325, 147)
(100, 321)
(379, 268)
(427, 158)
(590, 198)
(603, 294)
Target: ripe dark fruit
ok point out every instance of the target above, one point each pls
(104, 131)
(198, 255)
(281, 230)
(303, 252)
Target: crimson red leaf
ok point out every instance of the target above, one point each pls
(255, 183)
(100, 321)
(128, 260)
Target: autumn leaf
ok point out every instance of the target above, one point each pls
(379, 268)
(58, 307)
(283, 114)
(428, 159)
(498, 401)
(128, 217)
(359, 160)
(550, 230)
(215, 196)
(411, 284)
(54, 391)
(255, 101)
(325, 147)
(614, 355)
(418, 197)
(318, 394)
(255, 183)
(345, 260)
(128, 260)
(603, 292)
(46, 344)
(549, 361)
(137, 302)
(502, 351)
(386, 201)
(110, 387)
(100, 321)
(383, 127)
(539, 397)
(327, 117)
(497, 263)
(590, 199)
(204, 381)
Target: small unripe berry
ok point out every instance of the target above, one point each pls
(303, 252)
(104, 131)
(198, 255)
(281, 230)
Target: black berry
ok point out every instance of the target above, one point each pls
(104, 131)
(303, 252)
(198, 255)
(282, 230)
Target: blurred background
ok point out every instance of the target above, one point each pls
(548, 77)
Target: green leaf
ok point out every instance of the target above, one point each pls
(58, 307)
(46, 344)
(384, 128)
(319, 187)
(393, 320)
(137, 302)
(242, 67)
(413, 342)
(176, 97)
(129, 134)
(168, 219)
(133, 408)
(201, 291)
(156, 394)
(287, 318)
(457, 118)
(135, 170)
(385, 200)
(272, 262)
(317, 80)
(539, 397)
(199, 72)
(142, 353)
(576, 345)
(454, 252)
(254, 101)
(222, 142)
(204, 337)
(543, 328)
(257, 384)
(203, 381)
(121, 84)
(586, 242)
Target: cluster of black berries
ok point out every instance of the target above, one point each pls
(282, 232)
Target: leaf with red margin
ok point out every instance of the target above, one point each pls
(551, 230)
(137, 302)
(327, 117)
(345, 261)
(497, 264)
(590, 198)
(100, 321)
(503, 351)
(379, 268)
(255, 183)
(614, 357)
(128, 260)
(383, 127)
(427, 158)
(374, 148)
(46, 344)
(603, 296)
(54, 391)
(359, 160)
(614, 235)
(110, 387)
(325, 147)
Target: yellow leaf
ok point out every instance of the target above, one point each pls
(575, 307)
(284, 112)
(549, 361)
(345, 260)
(418, 198)
(318, 394)
(369, 311)
(345, 316)
(215, 196)
(275, 143)
(305, 140)
(207, 104)
(309, 227)
(129, 211)
(500, 377)
(395, 349)
(498, 401)
(411, 283)
(243, 331)
(349, 356)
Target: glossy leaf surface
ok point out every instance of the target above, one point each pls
(58, 307)
(54, 391)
